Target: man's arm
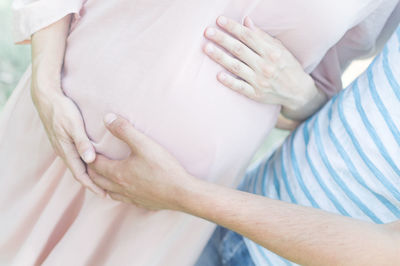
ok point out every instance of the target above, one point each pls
(304, 235)
(152, 178)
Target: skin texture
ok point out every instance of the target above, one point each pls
(286, 124)
(153, 179)
(60, 116)
(257, 55)
(262, 68)
(150, 177)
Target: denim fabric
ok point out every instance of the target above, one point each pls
(225, 248)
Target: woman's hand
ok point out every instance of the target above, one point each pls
(65, 129)
(265, 70)
(150, 177)
(60, 116)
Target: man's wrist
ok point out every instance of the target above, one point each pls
(183, 193)
(203, 199)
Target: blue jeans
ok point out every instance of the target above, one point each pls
(225, 248)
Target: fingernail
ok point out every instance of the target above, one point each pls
(88, 156)
(210, 32)
(109, 118)
(222, 20)
(209, 48)
(222, 76)
(248, 22)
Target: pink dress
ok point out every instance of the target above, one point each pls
(142, 59)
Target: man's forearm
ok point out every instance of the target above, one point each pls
(304, 235)
(152, 178)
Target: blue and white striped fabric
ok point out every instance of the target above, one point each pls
(346, 158)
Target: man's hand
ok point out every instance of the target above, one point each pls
(150, 177)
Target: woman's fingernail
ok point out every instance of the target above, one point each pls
(222, 76)
(109, 118)
(209, 48)
(222, 20)
(210, 32)
(88, 156)
(248, 22)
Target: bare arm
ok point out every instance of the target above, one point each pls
(304, 235)
(48, 49)
(61, 118)
(152, 178)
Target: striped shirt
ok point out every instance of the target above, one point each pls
(346, 158)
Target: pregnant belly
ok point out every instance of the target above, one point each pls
(160, 80)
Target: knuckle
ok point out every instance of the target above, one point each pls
(245, 35)
(61, 136)
(258, 93)
(119, 177)
(113, 196)
(230, 25)
(58, 151)
(82, 144)
(220, 38)
(267, 70)
(236, 68)
(228, 82)
(238, 49)
(241, 87)
(275, 56)
(63, 140)
(218, 56)
(262, 83)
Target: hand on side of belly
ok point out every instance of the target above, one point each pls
(65, 129)
(147, 178)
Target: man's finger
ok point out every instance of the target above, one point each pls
(103, 182)
(124, 130)
(107, 168)
(119, 197)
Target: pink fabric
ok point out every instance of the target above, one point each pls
(32, 15)
(143, 60)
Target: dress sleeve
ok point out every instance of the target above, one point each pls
(363, 40)
(325, 36)
(33, 15)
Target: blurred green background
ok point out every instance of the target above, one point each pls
(14, 59)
